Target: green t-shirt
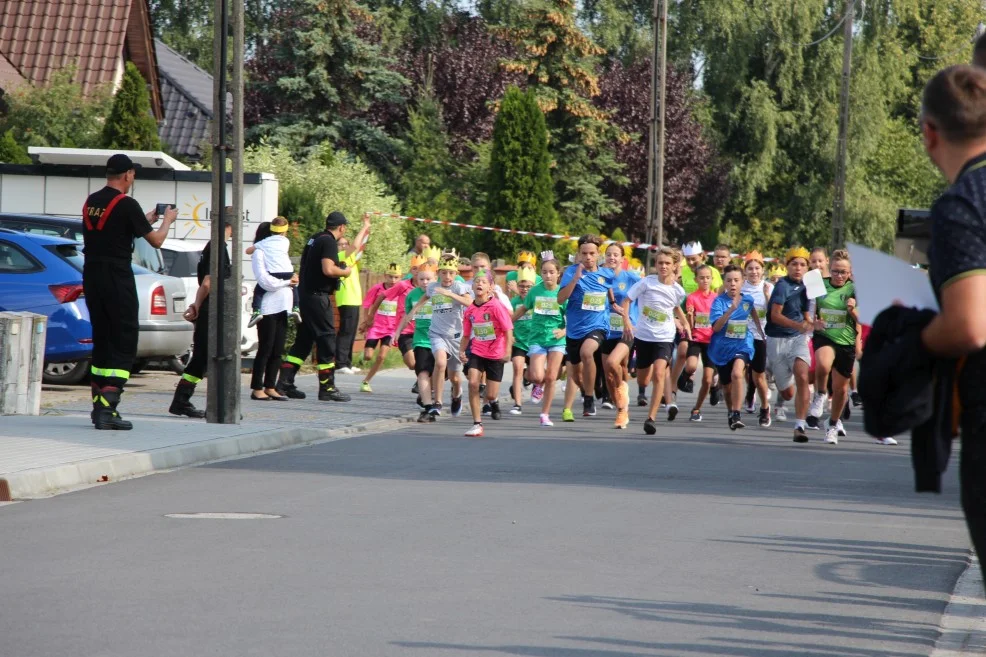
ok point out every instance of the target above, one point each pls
(832, 309)
(422, 319)
(522, 326)
(350, 293)
(548, 316)
(689, 283)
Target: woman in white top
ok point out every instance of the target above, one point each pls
(270, 256)
(757, 287)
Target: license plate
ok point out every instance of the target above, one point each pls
(179, 305)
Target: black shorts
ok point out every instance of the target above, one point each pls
(845, 355)
(609, 345)
(759, 362)
(405, 343)
(700, 349)
(517, 352)
(648, 352)
(424, 360)
(492, 368)
(726, 371)
(373, 342)
(574, 347)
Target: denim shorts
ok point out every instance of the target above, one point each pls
(538, 350)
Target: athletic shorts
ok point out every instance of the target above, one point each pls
(450, 346)
(759, 362)
(371, 343)
(726, 371)
(782, 353)
(538, 350)
(405, 343)
(517, 352)
(609, 345)
(424, 360)
(700, 349)
(845, 355)
(574, 347)
(648, 352)
(493, 369)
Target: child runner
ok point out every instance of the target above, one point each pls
(449, 299)
(546, 342)
(835, 341)
(488, 330)
(819, 260)
(275, 249)
(525, 260)
(756, 287)
(695, 256)
(522, 333)
(587, 289)
(660, 297)
(418, 314)
(382, 315)
(698, 306)
(722, 257)
(731, 348)
(619, 340)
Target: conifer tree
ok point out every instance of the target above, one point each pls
(130, 125)
(10, 151)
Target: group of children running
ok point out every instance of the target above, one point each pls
(607, 324)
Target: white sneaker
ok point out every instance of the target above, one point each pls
(817, 407)
(840, 429)
(476, 431)
(608, 405)
(345, 370)
(780, 414)
(355, 370)
(832, 435)
(885, 441)
(546, 420)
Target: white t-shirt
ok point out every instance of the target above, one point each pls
(760, 303)
(657, 303)
(275, 249)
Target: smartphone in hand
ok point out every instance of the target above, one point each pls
(162, 208)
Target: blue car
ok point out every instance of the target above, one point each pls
(43, 275)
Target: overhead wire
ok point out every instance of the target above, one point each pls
(828, 35)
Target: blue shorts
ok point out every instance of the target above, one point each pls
(538, 350)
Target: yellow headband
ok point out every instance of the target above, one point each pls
(796, 252)
(278, 230)
(528, 257)
(394, 270)
(526, 275)
(418, 260)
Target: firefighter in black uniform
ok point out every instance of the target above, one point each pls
(319, 279)
(198, 312)
(110, 222)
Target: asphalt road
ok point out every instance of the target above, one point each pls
(572, 541)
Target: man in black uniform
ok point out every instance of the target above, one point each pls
(953, 124)
(319, 279)
(198, 312)
(110, 222)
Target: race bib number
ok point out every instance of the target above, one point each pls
(441, 303)
(547, 306)
(594, 301)
(424, 312)
(736, 329)
(387, 309)
(484, 331)
(833, 319)
(616, 322)
(655, 315)
(526, 317)
(702, 320)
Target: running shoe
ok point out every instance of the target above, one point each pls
(296, 314)
(885, 441)
(672, 412)
(813, 422)
(365, 387)
(832, 435)
(546, 420)
(495, 410)
(537, 392)
(426, 417)
(414, 388)
(516, 410)
(765, 417)
(608, 405)
(736, 421)
(436, 409)
(486, 408)
(419, 402)
(780, 414)
(750, 407)
(254, 319)
(623, 396)
(622, 419)
(476, 431)
(650, 427)
(588, 407)
(800, 435)
(841, 429)
(857, 401)
(714, 395)
(696, 416)
(482, 389)
(846, 413)
(456, 406)
(817, 407)
(641, 399)
(567, 415)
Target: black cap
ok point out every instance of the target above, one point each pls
(336, 219)
(120, 163)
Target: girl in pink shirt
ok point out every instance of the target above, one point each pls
(489, 333)
(383, 311)
(697, 306)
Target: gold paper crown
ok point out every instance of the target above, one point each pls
(777, 270)
(526, 275)
(394, 270)
(528, 257)
(796, 252)
(418, 260)
(431, 253)
(449, 261)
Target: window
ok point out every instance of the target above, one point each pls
(69, 253)
(182, 264)
(14, 260)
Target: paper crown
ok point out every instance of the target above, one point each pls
(528, 257)
(547, 255)
(777, 270)
(692, 249)
(796, 252)
(526, 275)
(278, 230)
(753, 255)
(431, 253)
(449, 261)
(427, 268)
(418, 260)
(394, 270)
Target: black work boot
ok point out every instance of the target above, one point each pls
(107, 418)
(182, 402)
(285, 382)
(327, 390)
(96, 404)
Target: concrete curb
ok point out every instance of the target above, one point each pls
(45, 482)
(963, 625)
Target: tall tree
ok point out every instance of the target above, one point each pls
(520, 193)
(130, 125)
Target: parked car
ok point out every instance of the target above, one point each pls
(164, 334)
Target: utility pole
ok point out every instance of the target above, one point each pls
(839, 207)
(655, 154)
(223, 398)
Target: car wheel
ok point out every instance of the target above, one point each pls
(65, 374)
(138, 366)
